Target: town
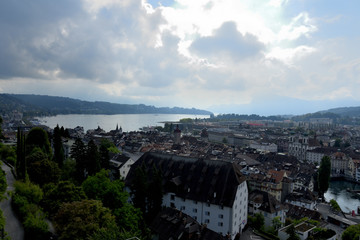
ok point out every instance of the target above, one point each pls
(253, 179)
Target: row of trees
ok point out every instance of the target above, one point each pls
(76, 194)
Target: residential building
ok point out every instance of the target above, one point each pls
(264, 146)
(171, 223)
(299, 145)
(212, 192)
(342, 165)
(264, 203)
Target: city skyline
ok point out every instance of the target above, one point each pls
(263, 57)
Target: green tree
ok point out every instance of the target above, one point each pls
(44, 171)
(337, 143)
(276, 222)
(324, 175)
(351, 233)
(100, 187)
(59, 155)
(257, 221)
(63, 192)
(113, 196)
(104, 157)
(292, 233)
(155, 196)
(78, 152)
(92, 158)
(20, 156)
(1, 121)
(139, 188)
(82, 219)
(38, 137)
(68, 170)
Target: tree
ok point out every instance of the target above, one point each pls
(352, 232)
(44, 171)
(139, 188)
(78, 152)
(59, 155)
(292, 233)
(82, 219)
(257, 221)
(68, 170)
(276, 222)
(56, 194)
(104, 157)
(38, 137)
(337, 143)
(155, 196)
(1, 121)
(20, 156)
(324, 175)
(92, 158)
(100, 187)
(113, 196)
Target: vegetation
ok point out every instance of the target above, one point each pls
(114, 197)
(351, 233)
(324, 175)
(82, 219)
(334, 205)
(25, 202)
(292, 233)
(257, 221)
(3, 186)
(35, 105)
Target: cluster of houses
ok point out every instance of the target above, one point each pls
(214, 179)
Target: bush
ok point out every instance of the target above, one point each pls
(31, 192)
(35, 226)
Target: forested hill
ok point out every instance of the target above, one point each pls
(32, 105)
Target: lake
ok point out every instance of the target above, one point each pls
(347, 201)
(128, 122)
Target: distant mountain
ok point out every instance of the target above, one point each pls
(34, 105)
(345, 111)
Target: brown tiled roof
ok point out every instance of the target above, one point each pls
(200, 180)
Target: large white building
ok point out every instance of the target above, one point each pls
(212, 192)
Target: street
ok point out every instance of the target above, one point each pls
(13, 227)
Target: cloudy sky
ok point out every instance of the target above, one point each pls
(242, 56)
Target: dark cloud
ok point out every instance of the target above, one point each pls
(227, 40)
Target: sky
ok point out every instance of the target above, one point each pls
(266, 57)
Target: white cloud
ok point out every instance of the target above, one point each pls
(192, 53)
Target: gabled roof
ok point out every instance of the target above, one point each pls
(296, 212)
(268, 203)
(173, 224)
(214, 182)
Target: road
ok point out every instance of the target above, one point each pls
(13, 226)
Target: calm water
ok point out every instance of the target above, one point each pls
(128, 122)
(347, 201)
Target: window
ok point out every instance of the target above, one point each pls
(195, 210)
(208, 204)
(221, 216)
(207, 213)
(172, 197)
(207, 220)
(221, 207)
(220, 224)
(195, 217)
(195, 202)
(182, 208)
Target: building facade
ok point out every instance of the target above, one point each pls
(212, 192)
